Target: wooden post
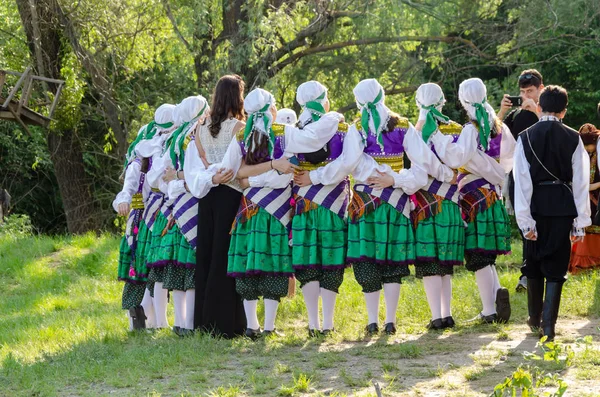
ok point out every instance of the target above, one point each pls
(16, 87)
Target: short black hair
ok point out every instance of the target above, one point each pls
(530, 77)
(554, 99)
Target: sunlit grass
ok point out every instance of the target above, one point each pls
(62, 332)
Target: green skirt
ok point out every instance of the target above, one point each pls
(138, 273)
(260, 245)
(490, 232)
(172, 259)
(441, 238)
(383, 236)
(172, 248)
(318, 240)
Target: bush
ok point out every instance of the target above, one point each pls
(16, 225)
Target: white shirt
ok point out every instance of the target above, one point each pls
(131, 183)
(580, 162)
(465, 153)
(354, 161)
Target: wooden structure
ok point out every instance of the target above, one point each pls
(18, 110)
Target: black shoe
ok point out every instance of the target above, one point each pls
(522, 284)
(176, 330)
(138, 317)
(314, 333)
(480, 318)
(390, 329)
(448, 322)
(184, 332)
(503, 305)
(550, 310)
(535, 303)
(327, 332)
(274, 332)
(436, 325)
(253, 334)
(372, 329)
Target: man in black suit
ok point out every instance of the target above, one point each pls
(552, 176)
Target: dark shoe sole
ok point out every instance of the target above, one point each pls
(503, 310)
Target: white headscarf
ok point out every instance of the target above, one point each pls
(430, 100)
(370, 98)
(163, 116)
(191, 109)
(257, 104)
(312, 96)
(430, 94)
(286, 116)
(472, 92)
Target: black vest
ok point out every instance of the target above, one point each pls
(554, 144)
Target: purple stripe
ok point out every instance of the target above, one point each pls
(312, 192)
(435, 186)
(193, 201)
(283, 210)
(342, 211)
(189, 225)
(252, 192)
(476, 184)
(273, 195)
(193, 243)
(334, 194)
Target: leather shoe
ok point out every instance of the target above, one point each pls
(253, 334)
(390, 328)
(372, 329)
(435, 325)
(274, 332)
(448, 322)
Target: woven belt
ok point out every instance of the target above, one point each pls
(137, 201)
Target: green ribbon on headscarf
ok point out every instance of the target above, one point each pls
(315, 107)
(431, 121)
(483, 120)
(176, 148)
(252, 119)
(148, 133)
(371, 108)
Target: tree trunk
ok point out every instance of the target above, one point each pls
(73, 181)
(44, 34)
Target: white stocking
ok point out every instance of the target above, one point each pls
(160, 305)
(328, 301)
(270, 313)
(179, 303)
(433, 289)
(251, 314)
(311, 300)
(446, 296)
(190, 304)
(497, 285)
(391, 293)
(148, 309)
(372, 301)
(485, 283)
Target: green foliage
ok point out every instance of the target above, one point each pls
(16, 226)
(528, 379)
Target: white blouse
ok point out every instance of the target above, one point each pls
(354, 161)
(464, 153)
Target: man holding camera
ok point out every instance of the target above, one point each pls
(523, 115)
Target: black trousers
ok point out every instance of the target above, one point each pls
(549, 256)
(219, 309)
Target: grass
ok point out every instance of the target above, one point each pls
(62, 332)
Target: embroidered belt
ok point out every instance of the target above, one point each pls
(137, 201)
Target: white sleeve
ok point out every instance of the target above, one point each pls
(130, 184)
(456, 154)
(197, 178)
(232, 160)
(313, 136)
(507, 149)
(175, 188)
(420, 153)
(523, 190)
(271, 179)
(486, 167)
(412, 179)
(343, 166)
(581, 187)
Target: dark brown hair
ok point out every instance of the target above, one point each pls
(589, 134)
(228, 98)
(260, 151)
(530, 77)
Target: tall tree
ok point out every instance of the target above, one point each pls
(45, 40)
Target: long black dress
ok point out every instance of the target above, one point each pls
(219, 309)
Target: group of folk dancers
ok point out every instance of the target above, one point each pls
(227, 202)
